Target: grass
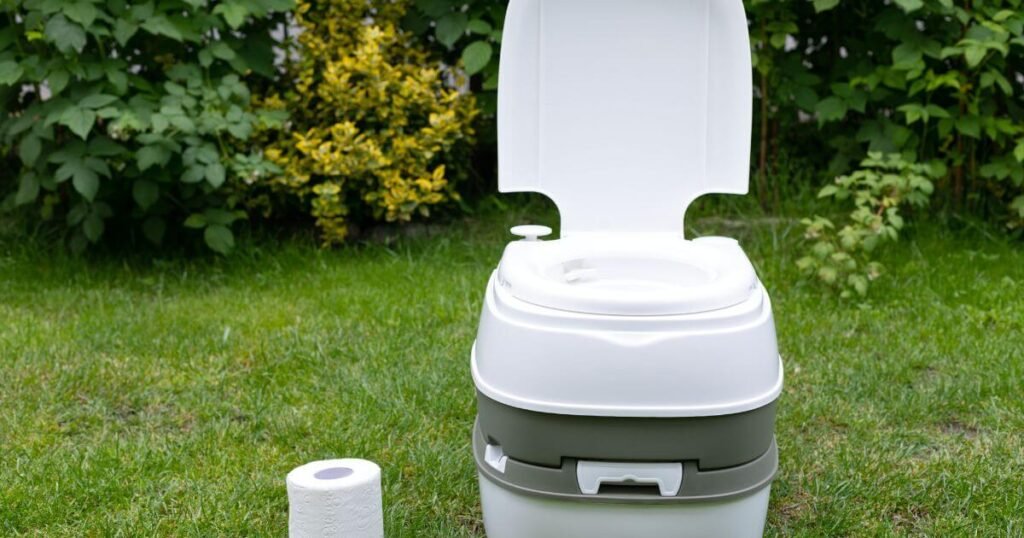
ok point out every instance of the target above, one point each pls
(172, 397)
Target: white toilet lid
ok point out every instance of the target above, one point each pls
(624, 111)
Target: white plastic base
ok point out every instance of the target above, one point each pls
(511, 515)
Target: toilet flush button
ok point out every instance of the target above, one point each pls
(531, 232)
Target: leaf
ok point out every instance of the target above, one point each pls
(433, 8)
(29, 150)
(234, 13)
(195, 221)
(970, 126)
(1003, 15)
(108, 112)
(476, 56)
(215, 174)
(10, 72)
(183, 123)
(935, 111)
(66, 170)
(174, 89)
(906, 56)
(148, 156)
(491, 83)
(824, 5)
(97, 100)
(270, 6)
(161, 25)
(805, 98)
(219, 216)
(478, 26)
(219, 238)
(828, 190)
(145, 193)
(909, 5)
(81, 12)
(57, 80)
(154, 229)
(828, 274)
(193, 174)
(974, 54)
(97, 165)
(68, 152)
(79, 120)
(205, 58)
(1018, 204)
(118, 79)
(257, 53)
(222, 50)
(28, 189)
(913, 112)
(159, 123)
(830, 109)
(8, 36)
(77, 214)
(66, 35)
(86, 182)
(93, 227)
(124, 30)
(859, 284)
(450, 28)
(102, 146)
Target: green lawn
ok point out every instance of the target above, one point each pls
(171, 398)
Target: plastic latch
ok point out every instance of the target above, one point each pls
(590, 475)
(531, 232)
(495, 457)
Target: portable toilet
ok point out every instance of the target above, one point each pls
(626, 377)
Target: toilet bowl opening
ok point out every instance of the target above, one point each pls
(629, 275)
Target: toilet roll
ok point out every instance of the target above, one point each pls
(335, 498)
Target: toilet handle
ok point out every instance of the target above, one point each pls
(590, 475)
(531, 232)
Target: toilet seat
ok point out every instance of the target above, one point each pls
(631, 274)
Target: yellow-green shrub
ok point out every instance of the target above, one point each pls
(375, 129)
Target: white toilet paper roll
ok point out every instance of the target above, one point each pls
(335, 498)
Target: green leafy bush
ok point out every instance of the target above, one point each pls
(929, 79)
(134, 119)
(465, 33)
(880, 191)
(932, 81)
(935, 80)
(138, 118)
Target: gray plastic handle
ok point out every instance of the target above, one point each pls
(592, 474)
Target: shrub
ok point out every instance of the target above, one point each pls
(133, 117)
(880, 190)
(934, 81)
(467, 33)
(937, 80)
(375, 132)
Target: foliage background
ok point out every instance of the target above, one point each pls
(133, 120)
(929, 87)
(164, 120)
